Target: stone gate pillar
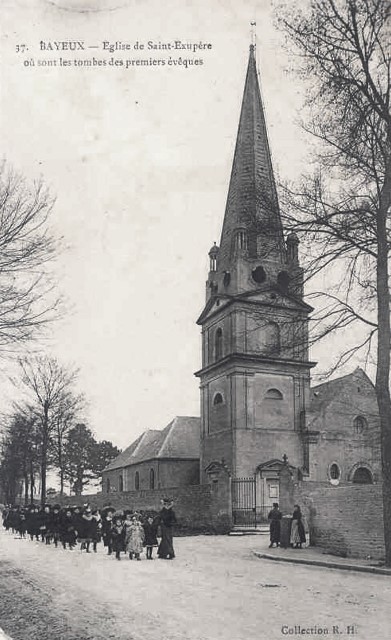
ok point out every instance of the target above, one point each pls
(286, 488)
(219, 480)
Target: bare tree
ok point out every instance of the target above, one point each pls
(18, 455)
(50, 389)
(27, 298)
(64, 420)
(344, 210)
(11, 471)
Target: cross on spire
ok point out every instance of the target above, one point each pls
(253, 32)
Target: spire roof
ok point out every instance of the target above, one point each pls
(252, 203)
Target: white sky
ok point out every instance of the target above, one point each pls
(140, 161)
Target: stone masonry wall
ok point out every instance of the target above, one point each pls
(198, 508)
(346, 520)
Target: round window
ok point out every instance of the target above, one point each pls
(334, 473)
(259, 275)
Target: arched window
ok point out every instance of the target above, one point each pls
(362, 475)
(152, 479)
(137, 481)
(213, 253)
(283, 280)
(108, 485)
(218, 344)
(218, 399)
(241, 240)
(271, 333)
(359, 424)
(273, 394)
(120, 483)
(334, 471)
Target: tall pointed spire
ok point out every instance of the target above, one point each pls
(252, 204)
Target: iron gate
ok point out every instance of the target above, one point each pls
(244, 504)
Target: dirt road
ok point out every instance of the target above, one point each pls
(215, 589)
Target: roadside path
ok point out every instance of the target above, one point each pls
(314, 556)
(215, 589)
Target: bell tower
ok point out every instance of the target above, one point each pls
(255, 371)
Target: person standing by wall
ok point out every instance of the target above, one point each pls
(167, 520)
(107, 524)
(297, 531)
(275, 516)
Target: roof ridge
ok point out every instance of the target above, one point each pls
(339, 378)
(323, 384)
(170, 425)
(139, 442)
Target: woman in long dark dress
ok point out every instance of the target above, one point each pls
(297, 529)
(166, 520)
(96, 527)
(275, 516)
(107, 525)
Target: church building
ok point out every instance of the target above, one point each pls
(255, 375)
(257, 407)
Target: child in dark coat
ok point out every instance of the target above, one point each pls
(117, 536)
(45, 518)
(107, 525)
(34, 523)
(96, 529)
(86, 529)
(67, 529)
(150, 532)
(56, 518)
(22, 523)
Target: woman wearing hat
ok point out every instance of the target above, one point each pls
(167, 520)
(275, 516)
(96, 529)
(107, 524)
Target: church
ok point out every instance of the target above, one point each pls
(258, 410)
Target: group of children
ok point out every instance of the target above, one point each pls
(128, 533)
